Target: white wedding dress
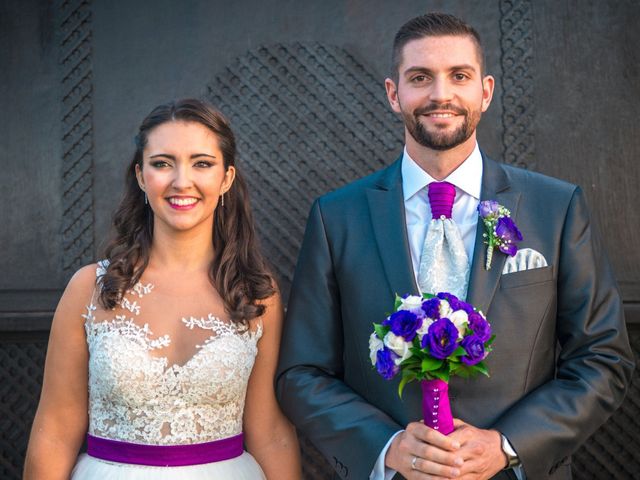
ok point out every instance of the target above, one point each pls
(136, 397)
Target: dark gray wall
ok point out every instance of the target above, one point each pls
(302, 82)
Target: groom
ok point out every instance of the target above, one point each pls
(561, 361)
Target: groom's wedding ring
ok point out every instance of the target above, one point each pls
(413, 463)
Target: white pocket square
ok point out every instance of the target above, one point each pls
(524, 259)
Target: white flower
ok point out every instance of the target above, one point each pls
(397, 345)
(412, 303)
(424, 328)
(445, 309)
(375, 344)
(460, 319)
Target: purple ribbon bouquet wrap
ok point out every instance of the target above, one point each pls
(429, 338)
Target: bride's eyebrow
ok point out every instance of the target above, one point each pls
(172, 157)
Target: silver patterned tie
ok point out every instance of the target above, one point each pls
(444, 265)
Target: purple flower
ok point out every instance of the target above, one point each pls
(509, 234)
(454, 302)
(488, 208)
(474, 348)
(431, 308)
(479, 326)
(385, 364)
(441, 338)
(404, 324)
(466, 307)
(449, 297)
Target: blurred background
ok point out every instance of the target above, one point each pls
(302, 83)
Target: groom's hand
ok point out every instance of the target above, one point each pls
(480, 449)
(423, 453)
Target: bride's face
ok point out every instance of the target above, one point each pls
(183, 175)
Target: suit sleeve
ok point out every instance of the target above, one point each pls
(349, 431)
(595, 360)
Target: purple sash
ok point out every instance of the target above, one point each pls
(164, 455)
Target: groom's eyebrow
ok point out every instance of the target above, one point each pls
(453, 68)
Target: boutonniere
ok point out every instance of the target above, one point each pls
(501, 231)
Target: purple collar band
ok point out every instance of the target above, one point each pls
(164, 455)
(441, 197)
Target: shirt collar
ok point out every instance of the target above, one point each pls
(467, 177)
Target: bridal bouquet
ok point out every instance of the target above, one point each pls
(430, 338)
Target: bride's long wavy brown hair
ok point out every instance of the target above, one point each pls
(238, 271)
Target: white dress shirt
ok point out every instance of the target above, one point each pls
(467, 179)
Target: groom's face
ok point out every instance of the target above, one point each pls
(440, 91)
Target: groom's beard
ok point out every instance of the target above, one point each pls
(441, 139)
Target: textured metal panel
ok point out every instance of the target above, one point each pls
(21, 367)
(516, 43)
(77, 133)
(587, 89)
(29, 146)
(309, 117)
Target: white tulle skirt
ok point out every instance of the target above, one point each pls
(243, 467)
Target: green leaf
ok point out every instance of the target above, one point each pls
(459, 352)
(463, 372)
(411, 362)
(381, 330)
(407, 376)
(429, 364)
(482, 368)
(397, 302)
(490, 341)
(416, 351)
(441, 373)
(428, 296)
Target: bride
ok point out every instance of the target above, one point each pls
(163, 355)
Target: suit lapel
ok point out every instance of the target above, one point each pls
(386, 210)
(483, 283)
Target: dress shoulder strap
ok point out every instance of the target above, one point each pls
(101, 269)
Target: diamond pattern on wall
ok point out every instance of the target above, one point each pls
(21, 368)
(518, 106)
(77, 133)
(308, 118)
(614, 450)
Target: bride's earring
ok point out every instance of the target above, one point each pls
(146, 200)
(222, 201)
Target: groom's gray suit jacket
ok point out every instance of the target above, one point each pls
(561, 362)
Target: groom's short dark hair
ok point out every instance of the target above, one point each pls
(432, 25)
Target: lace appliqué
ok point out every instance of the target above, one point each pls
(141, 290)
(137, 397)
(121, 325)
(444, 265)
(220, 328)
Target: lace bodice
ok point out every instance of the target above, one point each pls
(136, 396)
